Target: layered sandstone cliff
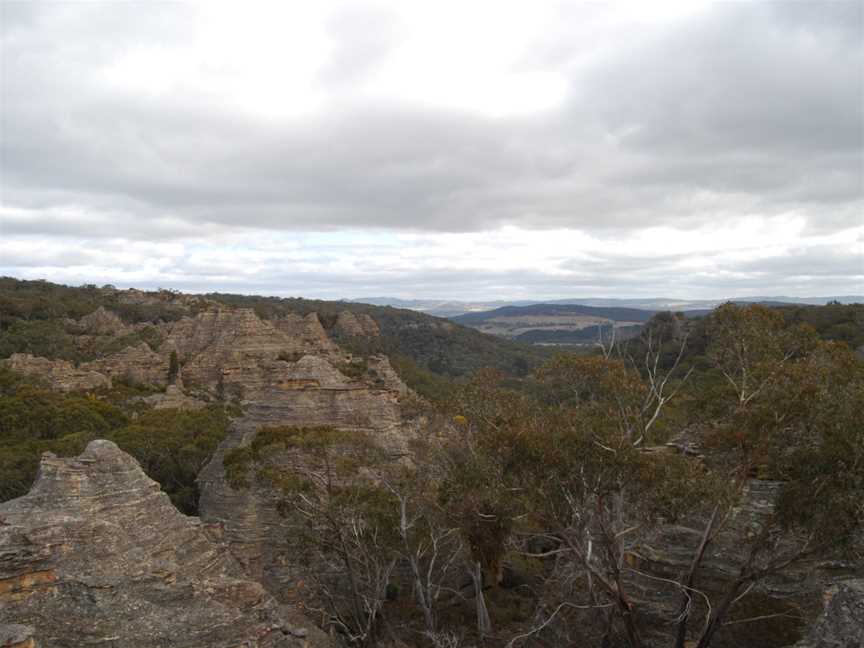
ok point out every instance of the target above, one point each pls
(96, 554)
(356, 324)
(310, 392)
(138, 364)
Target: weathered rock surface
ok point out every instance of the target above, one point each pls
(359, 324)
(138, 364)
(60, 374)
(174, 398)
(307, 333)
(842, 623)
(14, 635)
(785, 603)
(382, 373)
(310, 392)
(101, 322)
(232, 350)
(96, 554)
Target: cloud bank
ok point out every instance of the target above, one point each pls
(700, 150)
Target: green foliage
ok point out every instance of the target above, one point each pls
(173, 367)
(42, 300)
(46, 338)
(172, 446)
(428, 384)
(356, 368)
(289, 356)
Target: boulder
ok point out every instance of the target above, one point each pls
(97, 554)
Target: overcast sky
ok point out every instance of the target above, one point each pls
(467, 150)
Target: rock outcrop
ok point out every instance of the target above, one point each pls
(232, 350)
(174, 398)
(60, 374)
(101, 322)
(310, 392)
(15, 635)
(842, 623)
(784, 603)
(96, 554)
(308, 334)
(359, 325)
(137, 364)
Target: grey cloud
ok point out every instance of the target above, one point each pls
(746, 108)
(740, 103)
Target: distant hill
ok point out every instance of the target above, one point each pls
(452, 308)
(557, 323)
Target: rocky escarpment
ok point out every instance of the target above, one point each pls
(310, 392)
(231, 351)
(96, 554)
(285, 371)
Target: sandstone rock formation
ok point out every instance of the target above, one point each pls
(174, 398)
(227, 349)
(310, 392)
(308, 333)
(137, 364)
(101, 322)
(60, 374)
(96, 554)
(383, 373)
(359, 324)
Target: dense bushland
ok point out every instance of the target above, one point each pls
(172, 446)
(532, 511)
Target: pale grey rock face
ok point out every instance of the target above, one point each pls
(842, 623)
(14, 635)
(97, 554)
(784, 604)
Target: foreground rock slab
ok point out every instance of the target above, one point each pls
(96, 554)
(842, 623)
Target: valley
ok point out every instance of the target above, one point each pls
(217, 468)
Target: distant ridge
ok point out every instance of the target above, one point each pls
(454, 308)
